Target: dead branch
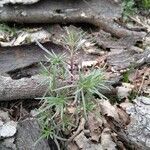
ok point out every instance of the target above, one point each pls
(28, 88)
(25, 88)
(42, 13)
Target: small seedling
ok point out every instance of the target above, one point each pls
(128, 8)
(67, 89)
(10, 30)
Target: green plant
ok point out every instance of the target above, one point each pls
(68, 89)
(128, 8)
(146, 3)
(73, 41)
(143, 4)
(5, 28)
(126, 77)
(90, 84)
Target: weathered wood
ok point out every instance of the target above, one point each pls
(3, 2)
(25, 88)
(29, 88)
(45, 9)
(13, 58)
(123, 59)
(27, 135)
(100, 13)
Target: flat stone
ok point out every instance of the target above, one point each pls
(8, 129)
(28, 134)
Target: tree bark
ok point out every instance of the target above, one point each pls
(29, 88)
(25, 88)
(100, 13)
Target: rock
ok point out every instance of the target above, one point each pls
(8, 129)
(8, 144)
(4, 116)
(28, 133)
(139, 128)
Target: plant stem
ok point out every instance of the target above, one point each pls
(84, 104)
(72, 66)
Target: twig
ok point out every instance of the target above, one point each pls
(42, 47)
(80, 128)
(140, 88)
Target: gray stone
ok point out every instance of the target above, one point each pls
(8, 129)
(139, 128)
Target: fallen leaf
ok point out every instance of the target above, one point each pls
(72, 146)
(125, 105)
(8, 129)
(89, 63)
(71, 109)
(94, 127)
(80, 128)
(124, 117)
(124, 90)
(25, 37)
(85, 144)
(106, 140)
(109, 110)
(141, 80)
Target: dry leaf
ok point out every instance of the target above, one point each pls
(80, 128)
(3, 2)
(124, 90)
(106, 140)
(109, 110)
(124, 117)
(141, 80)
(125, 105)
(72, 146)
(25, 37)
(71, 109)
(85, 144)
(94, 127)
(89, 63)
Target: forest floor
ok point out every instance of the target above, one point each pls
(120, 48)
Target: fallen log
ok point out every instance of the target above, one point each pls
(13, 58)
(122, 59)
(101, 14)
(25, 88)
(30, 88)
